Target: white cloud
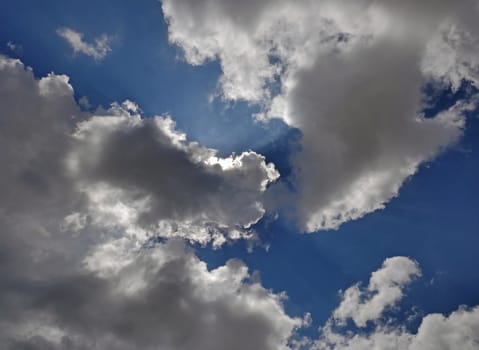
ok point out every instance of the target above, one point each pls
(384, 290)
(350, 76)
(97, 50)
(459, 330)
(452, 57)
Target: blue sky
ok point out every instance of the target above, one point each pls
(160, 82)
(433, 219)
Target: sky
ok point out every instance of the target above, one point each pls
(215, 174)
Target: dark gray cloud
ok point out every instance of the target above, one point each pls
(165, 298)
(164, 181)
(36, 192)
(361, 120)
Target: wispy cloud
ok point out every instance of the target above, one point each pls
(16, 48)
(97, 50)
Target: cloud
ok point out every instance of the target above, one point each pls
(97, 50)
(436, 331)
(15, 48)
(457, 330)
(74, 277)
(35, 190)
(143, 173)
(163, 297)
(137, 173)
(383, 291)
(350, 76)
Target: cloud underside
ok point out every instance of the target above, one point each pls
(350, 76)
(163, 298)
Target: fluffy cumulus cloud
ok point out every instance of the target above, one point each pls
(383, 291)
(144, 175)
(134, 173)
(81, 265)
(97, 50)
(350, 76)
(458, 330)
